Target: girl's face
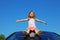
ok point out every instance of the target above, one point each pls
(31, 14)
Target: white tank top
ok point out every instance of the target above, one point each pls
(31, 22)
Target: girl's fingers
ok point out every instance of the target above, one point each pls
(16, 20)
(45, 23)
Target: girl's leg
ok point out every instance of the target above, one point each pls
(28, 31)
(36, 31)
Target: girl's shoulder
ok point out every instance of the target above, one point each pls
(28, 18)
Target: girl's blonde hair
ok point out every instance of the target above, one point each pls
(33, 14)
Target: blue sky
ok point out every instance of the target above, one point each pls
(11, 10)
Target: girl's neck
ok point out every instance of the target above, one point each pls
(31, 18)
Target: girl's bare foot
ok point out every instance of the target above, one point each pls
(39, 32)
(24, 32)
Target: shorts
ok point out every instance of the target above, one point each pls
(31, 28)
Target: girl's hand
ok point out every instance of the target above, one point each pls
(17, 20)
(45, 23)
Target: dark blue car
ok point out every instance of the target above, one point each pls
(44, 36)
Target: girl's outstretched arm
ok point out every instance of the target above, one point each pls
(21, 20)
(41, 21)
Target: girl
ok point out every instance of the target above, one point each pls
(31, 22)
